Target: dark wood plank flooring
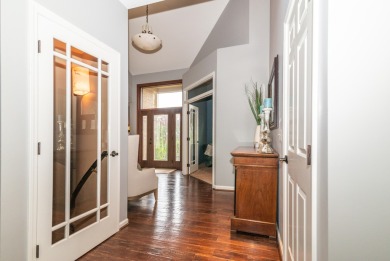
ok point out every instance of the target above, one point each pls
(190, 221)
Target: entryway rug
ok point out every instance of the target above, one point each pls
(164, 171)
(204, 174)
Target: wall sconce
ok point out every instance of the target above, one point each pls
(80, 80)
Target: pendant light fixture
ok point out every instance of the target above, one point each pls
(146, 40)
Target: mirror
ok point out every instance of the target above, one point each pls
(273, 86)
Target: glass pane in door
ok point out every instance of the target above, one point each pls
(84, 139)
(104, 141)
(59, 141)
(144, 137)
(160, 131)
(192, 136)
(177, 143)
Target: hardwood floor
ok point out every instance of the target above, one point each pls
(190, 221)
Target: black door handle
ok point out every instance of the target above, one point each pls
(285, 159)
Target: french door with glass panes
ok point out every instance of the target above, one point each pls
(160, 139)
(77, 131)
(193, 138)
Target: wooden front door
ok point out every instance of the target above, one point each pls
(160, 142)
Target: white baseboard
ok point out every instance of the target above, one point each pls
(280, 243)
(229, 188)
(123, 223)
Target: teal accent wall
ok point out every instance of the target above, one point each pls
(205, 126)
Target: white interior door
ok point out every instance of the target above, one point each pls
(193, 134)
(77, 131)
(298, 118)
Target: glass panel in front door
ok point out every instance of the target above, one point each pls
(178, 136)
(160, 132)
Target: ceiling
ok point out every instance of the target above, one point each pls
(136, 3)
(182, 25)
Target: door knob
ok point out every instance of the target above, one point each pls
(114, 153)
(285, 159)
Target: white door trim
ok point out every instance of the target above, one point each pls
(36, 10)
(186, 101)
(316, 119)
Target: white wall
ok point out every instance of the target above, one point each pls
(15, 92)
(359, 127)
(320, 113)
(147, 78)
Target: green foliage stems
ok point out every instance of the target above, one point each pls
(255, 99)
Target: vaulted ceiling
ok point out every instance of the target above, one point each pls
(182, 25)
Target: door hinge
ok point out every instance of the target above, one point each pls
(37, 251)
(308, 150)
(39, 148)
(188, 165)
(188, 112)
(188, 138)
(39, 46)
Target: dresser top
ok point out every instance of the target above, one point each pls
(251, 152)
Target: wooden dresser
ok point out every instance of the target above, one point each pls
(256, 182)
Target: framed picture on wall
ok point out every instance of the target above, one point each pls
(273, 86)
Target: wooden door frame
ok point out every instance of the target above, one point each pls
(162, 110)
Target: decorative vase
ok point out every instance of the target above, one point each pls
(257, 136)
(265, 132)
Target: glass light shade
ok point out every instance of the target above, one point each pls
(146, 41)
(80, 78)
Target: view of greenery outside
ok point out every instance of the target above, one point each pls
(177, 137)
(161, 137)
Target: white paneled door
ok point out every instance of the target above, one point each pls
(77, 136)
(298, 117)
(193, 138)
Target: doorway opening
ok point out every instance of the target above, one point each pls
(159, 125)
(199, 129)
(201, 135)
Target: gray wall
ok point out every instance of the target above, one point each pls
(278, 13)
(0, 125)
(359, 127)
(231, 29)
(14, 136)
(147, 78)
(15, 105)
(235, 66)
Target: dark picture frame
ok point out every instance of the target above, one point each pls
(273, 92)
